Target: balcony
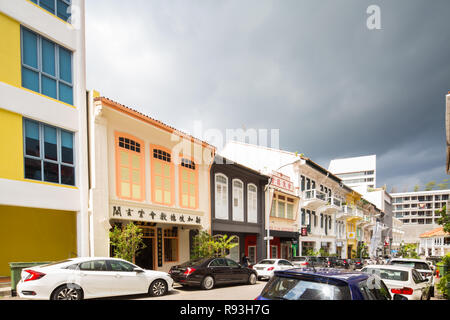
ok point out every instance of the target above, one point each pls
(344, 213)
(333, 205)
(313, 199)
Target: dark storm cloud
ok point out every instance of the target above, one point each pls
(310, 68)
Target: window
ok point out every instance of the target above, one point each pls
(60, 8)
(188, 184)
(170, 245)
(303, 217)
(252, 203)
(162, 177)
(49, 153)
(96, 265)
(46, 67)
(231, 263)
(282, 207)
(130, 167)
(120, 266)
(238, 200)
(221, 197)
(220, 262)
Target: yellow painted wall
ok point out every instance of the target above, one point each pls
(35, 235)
(10, 64)
(11, 145)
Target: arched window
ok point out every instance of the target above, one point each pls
(252, 203)
(221, 197)
(162, 176)
(188, 184)
(238, 200)
(130, 180)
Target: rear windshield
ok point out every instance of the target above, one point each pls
(195, 262)
(298, 258)
(412, 264)
(282, 288)
(55, 263)
(388, 274)
(267, 262)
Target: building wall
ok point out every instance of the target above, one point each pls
(18, 103)
(36, 235)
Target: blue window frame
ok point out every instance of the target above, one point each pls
(46, 67)
(48, 153)
(60, 8)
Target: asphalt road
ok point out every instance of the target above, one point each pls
(225, 292)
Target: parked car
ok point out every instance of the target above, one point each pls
(357, 263)
(420, 265)
(208, 272)
(85, 278)
(299, 262)
(406, 281)
(265, 268)
(331, 262)
(324, 284)
(343, 263)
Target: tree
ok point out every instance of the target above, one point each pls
(126, 242)
(444, 220)
(443, 185)
(408, 250)
(416, 188)
(206, 245)
(312, 253)
(362, 251)
(430, 185)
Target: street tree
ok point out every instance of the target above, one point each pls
(127, 242)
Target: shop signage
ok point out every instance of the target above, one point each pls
(151, 215)
(282, 181)
(304, 232)
(159, 247)
(338, 243)
(351, 235)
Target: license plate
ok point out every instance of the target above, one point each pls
(260, 268)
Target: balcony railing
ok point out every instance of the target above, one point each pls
(314, 199)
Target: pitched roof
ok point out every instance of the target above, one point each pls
(434, 233)
(140, 116)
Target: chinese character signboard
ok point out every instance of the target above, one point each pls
(282, 181)
(304, 232)
(123, 212)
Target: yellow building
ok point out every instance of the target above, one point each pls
(351, 223)
(43, 169)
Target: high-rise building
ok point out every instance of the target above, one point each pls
(358, 173)
(417, 211)
(43, 135)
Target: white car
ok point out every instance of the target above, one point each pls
(420, 265)
(265, 268)
(85, 278)
(405, 281)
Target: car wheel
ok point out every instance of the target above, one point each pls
(208, 283)
(158, 288)
(252, 279)
(67, 292)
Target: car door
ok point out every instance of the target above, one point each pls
(125, 280)
(284, 265)
(238, 273)
(421, 285)
(94, 278)
(220, 270)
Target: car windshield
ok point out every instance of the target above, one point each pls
(267, 262)
(282, 288)
(412, 264)
(388, 274)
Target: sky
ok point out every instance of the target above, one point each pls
(311, 69)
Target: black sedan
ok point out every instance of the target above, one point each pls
(208, 272)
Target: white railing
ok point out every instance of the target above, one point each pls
(314, 195)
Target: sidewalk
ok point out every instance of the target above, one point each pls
(5, 287)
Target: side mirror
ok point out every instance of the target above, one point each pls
(399, 297)
(138, 270)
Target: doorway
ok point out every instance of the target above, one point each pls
(146, 257)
